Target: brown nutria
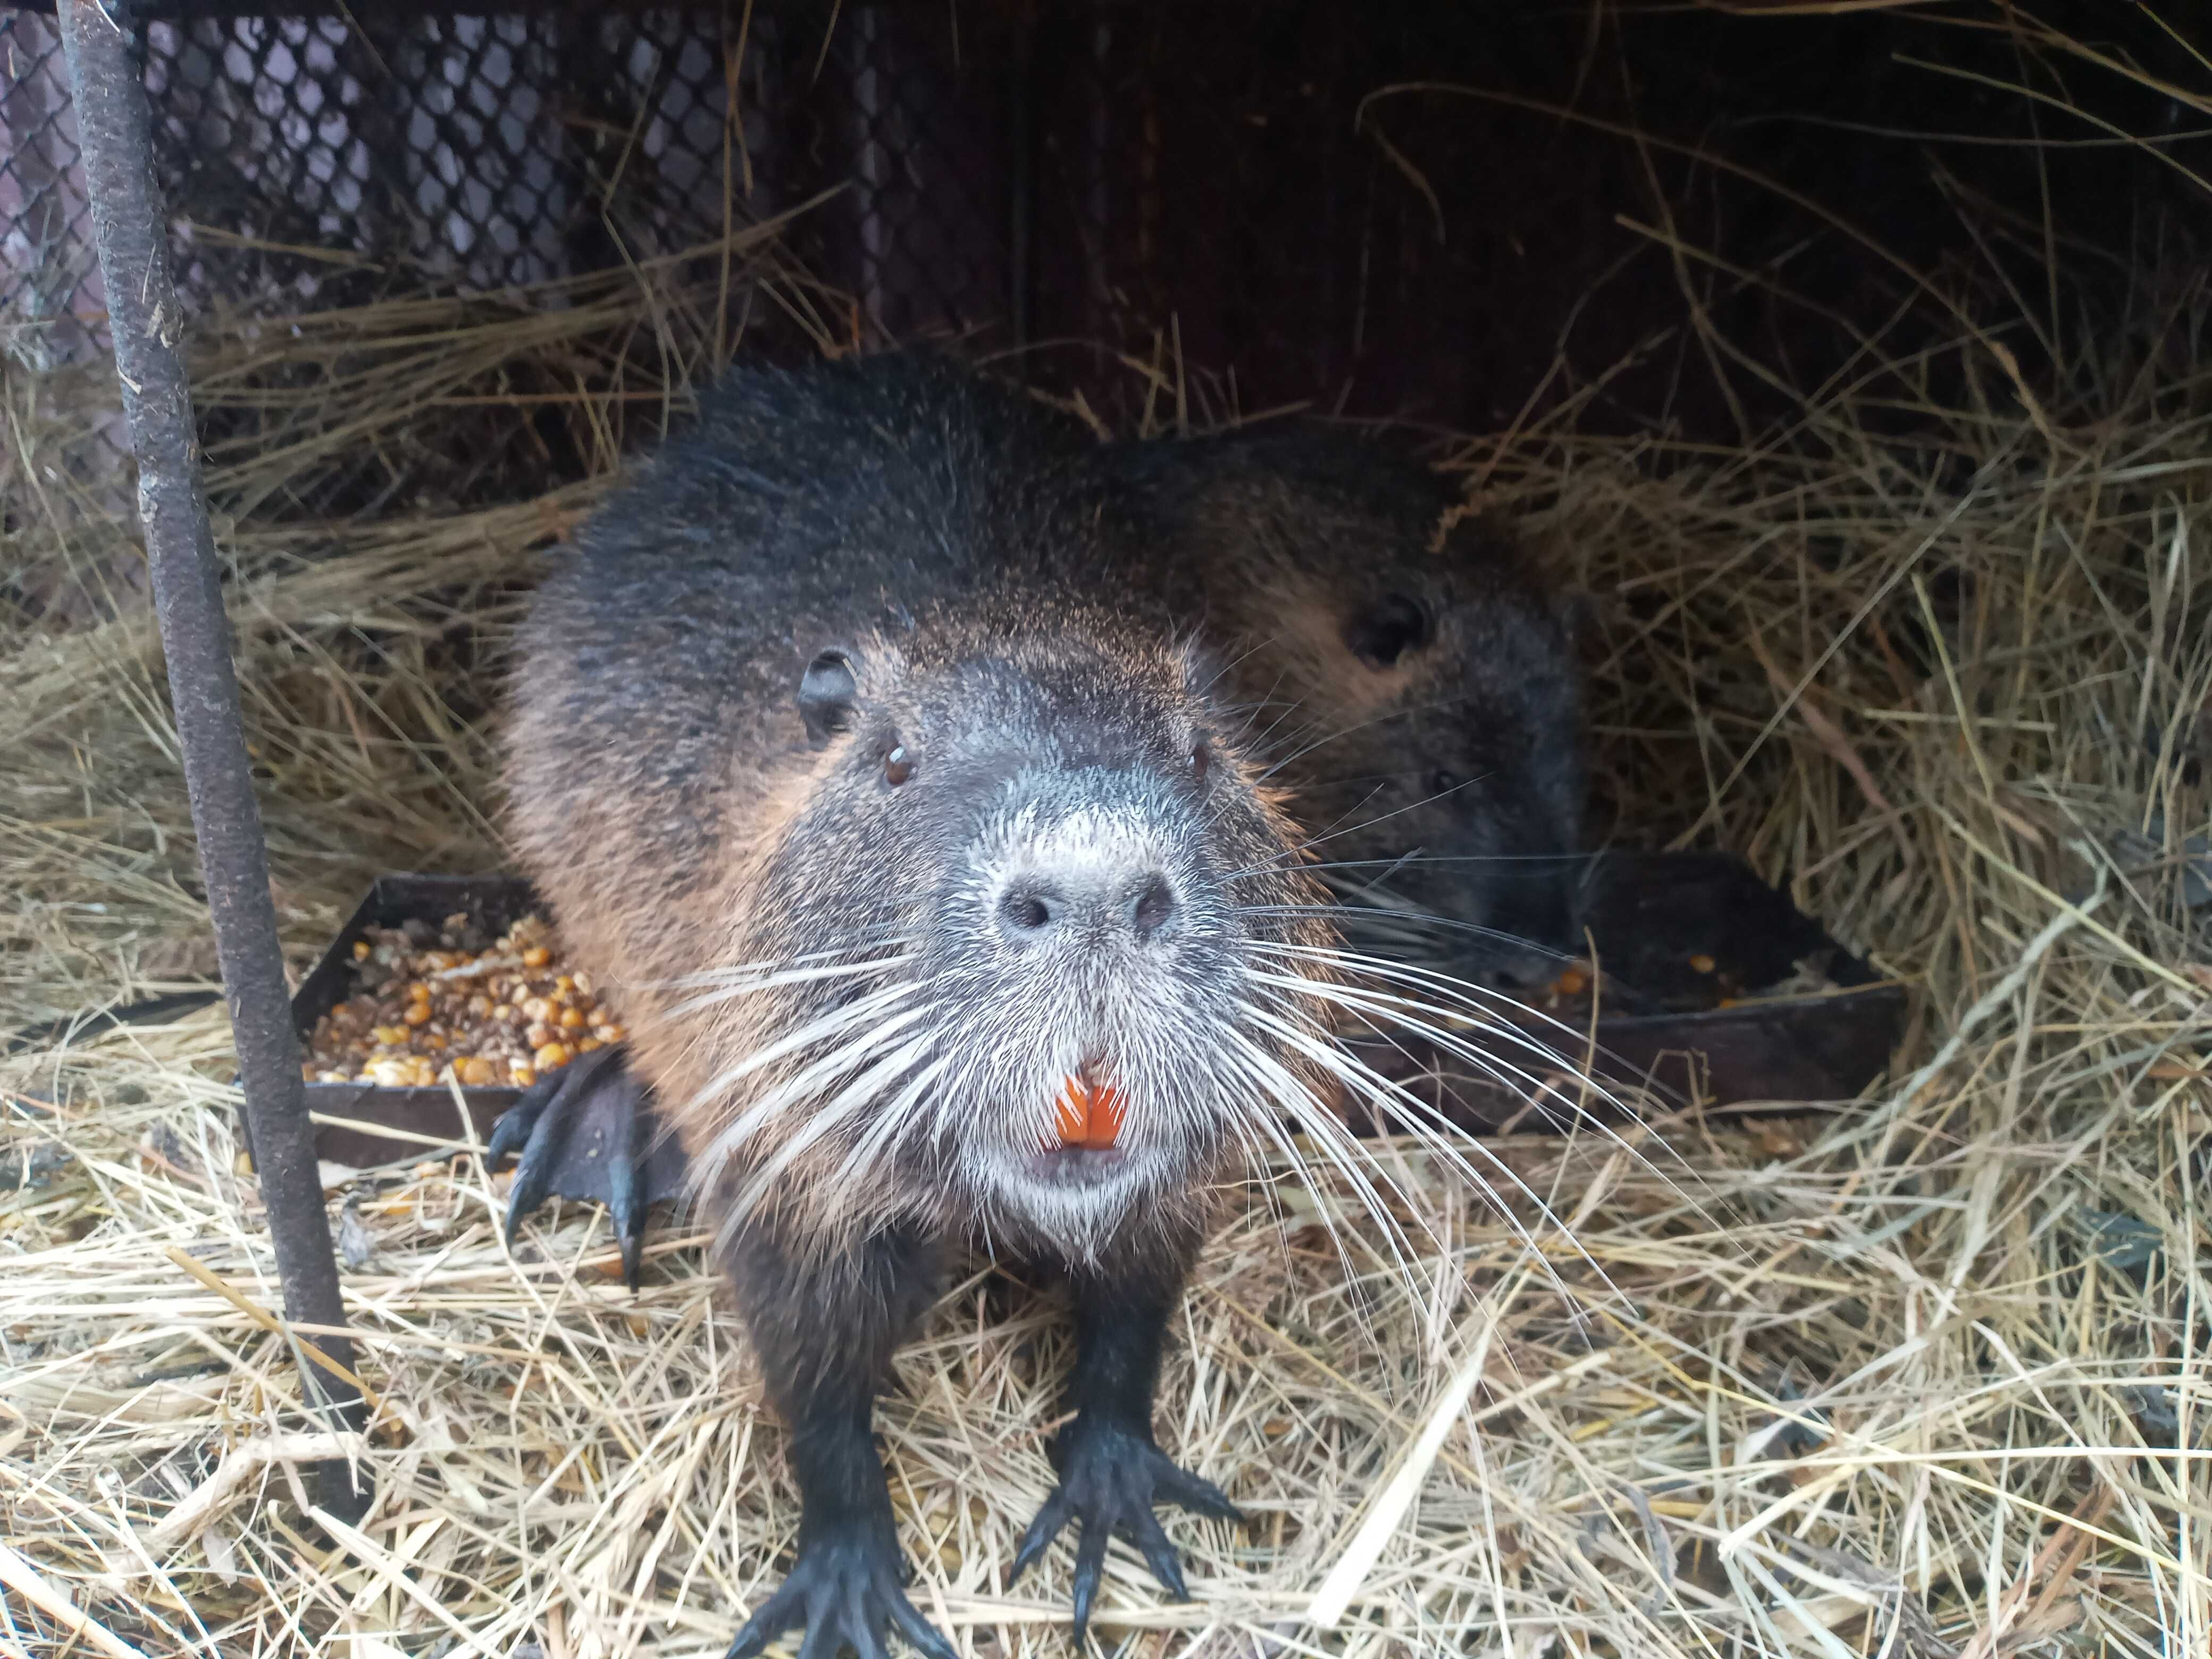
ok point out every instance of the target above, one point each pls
(940, 902)
(1416, 682)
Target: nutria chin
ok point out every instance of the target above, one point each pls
(942, 903)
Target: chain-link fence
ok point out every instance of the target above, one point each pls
(323, 161)
(1272, 200)
(304, 153)
(1190, 186)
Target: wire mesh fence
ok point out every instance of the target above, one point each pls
(1273, 201)
(309, 159)
(1093, 178)
(326, 160)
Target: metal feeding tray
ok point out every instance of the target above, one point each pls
(1674, 933)
(425, 1118)
(1704, 998)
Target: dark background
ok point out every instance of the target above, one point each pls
(1201, 184)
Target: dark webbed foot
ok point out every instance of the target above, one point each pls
(1110, 1476)
(845, 1589)
(587, 1132)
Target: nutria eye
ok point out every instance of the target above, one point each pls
(898, 767)
(1200, 760)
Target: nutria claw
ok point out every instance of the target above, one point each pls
(844, 1588)
(1110, 1479)
(577, 1130)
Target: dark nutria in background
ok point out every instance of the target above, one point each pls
(1415, 682)
(941, 903)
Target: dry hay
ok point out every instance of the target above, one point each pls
(1905, 1379)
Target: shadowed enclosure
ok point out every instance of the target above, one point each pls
(1851, 356)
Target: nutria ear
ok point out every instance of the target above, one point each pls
(828, 694)
(1386, 630)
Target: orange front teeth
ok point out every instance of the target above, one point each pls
(1090, 1113)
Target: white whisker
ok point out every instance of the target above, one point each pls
(731, 1138)
(730, 992)
(1406, 1015)
(823, 1120)
(836, 1019)
(1328, 1136)
(1436, 1133)
(861, 1159)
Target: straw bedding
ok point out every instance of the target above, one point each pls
(1919, 1377)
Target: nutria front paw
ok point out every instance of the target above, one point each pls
(1110, 1479)
(845, 1589)
(580, 1132)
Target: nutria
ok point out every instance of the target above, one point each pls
(942, 903)
(1414, 679)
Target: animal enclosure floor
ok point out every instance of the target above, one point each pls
(1922, 1375)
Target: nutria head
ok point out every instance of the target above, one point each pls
(1414, 680)
(1023, 952)
(1443, 770)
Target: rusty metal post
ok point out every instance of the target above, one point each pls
(130, 227)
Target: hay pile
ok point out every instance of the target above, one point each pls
(1905, 1379)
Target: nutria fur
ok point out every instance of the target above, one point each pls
(1414, 676)
(874, 819)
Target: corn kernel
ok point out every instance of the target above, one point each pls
(418, 1013)
(418, 992)
(519, 1073)
(538, 1034)
(571, 1018)
(1702, 963)
(552, 1056)
(535, 956)
(589, 1045)
(583, 982)
(390, 1035)
(361, 950)
(564, 984)
(474, 1071)
(503, 1013)
(609, 1033)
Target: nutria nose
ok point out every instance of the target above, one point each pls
(1044, 903)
